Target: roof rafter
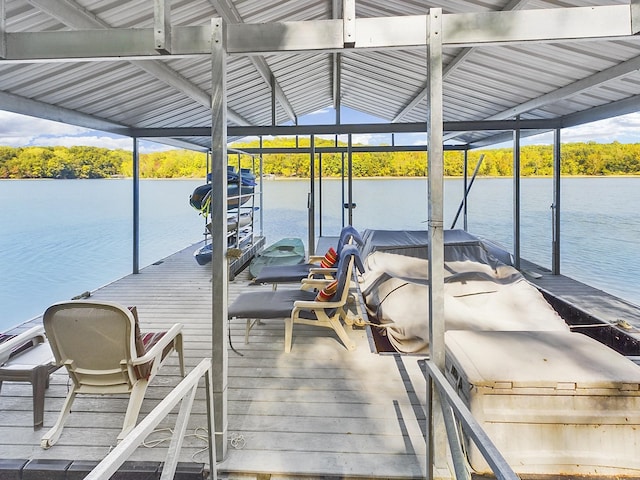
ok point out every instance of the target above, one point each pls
(451, 66)
(595, 80)
(33, 108)
(230, 14)
(73, 15)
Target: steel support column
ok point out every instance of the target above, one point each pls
(516, 196)
(465, 172)
(437, 451)
(3, 26)
(136, 207)
(555, 208)
(219, 269)
(350, 204)
(312, 196)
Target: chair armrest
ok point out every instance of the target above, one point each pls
(314, 305)
(315, 258)
(7, 347)
(322, 271)
(311, 283)
(156, 350)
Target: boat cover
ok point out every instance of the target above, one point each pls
(415, 243)
(481, 293)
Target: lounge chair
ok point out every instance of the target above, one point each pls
(27, 357)
(101, 346)
(303, 305)
(276, 274)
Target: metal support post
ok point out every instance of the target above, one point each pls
(3, 26)
(465, 173)
(162, 26)
(437, 443)
(516, 196)
(349, 23)
(261, 211)
(555, 208)
(219, 273)
(312, 196)
(136, 207)
(350, 204)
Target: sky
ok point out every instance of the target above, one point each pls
(20, 131)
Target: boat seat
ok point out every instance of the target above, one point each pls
(27, 357)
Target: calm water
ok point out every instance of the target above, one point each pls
(60, 238)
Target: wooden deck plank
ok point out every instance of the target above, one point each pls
(320, 411)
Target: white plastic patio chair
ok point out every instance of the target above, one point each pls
(103, 351)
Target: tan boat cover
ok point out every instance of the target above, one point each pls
(481, 294)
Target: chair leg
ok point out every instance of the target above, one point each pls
(288, 332)
(178, 346)
(51, 437)
(250, 324)
(341, 332)
(39, 377)
(133, 408)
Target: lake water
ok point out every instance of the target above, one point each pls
(61, 238)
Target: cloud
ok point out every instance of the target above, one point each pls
(22, 131)
(623, 129)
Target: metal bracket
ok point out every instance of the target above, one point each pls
(162, 26)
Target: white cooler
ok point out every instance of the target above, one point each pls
(553, 403)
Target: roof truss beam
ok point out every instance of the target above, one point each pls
(227, 10)
(33, 108)
(599, 78)
(73, 15)
(451, 67)
(459, 30)
(344, 129)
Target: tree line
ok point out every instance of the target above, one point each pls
(535, 160)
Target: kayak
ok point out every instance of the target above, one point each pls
(204, 254)
(237, 195)
(287, 251)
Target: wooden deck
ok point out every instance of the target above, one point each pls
(320, 411)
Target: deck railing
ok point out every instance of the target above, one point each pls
(451, 402)
(184, 392)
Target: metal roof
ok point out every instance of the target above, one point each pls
(564, 82)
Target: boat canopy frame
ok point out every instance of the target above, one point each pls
(431, 32)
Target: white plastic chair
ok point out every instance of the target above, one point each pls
(100, 345)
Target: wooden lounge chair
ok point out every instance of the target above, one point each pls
(303, 305)
(27, 357)
(101, 346)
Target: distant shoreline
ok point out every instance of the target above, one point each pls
(281, 178)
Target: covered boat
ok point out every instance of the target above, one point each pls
(482, 293)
